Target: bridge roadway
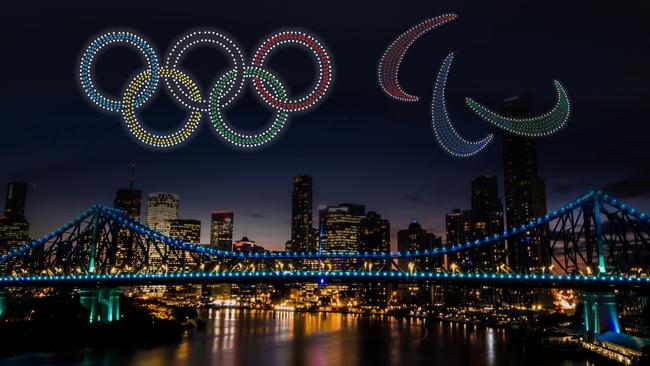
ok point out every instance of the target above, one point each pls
(578, 282)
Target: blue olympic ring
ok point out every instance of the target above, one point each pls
(97, 45)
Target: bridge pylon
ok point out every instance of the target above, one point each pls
(3, 302)
(600, 313)
(103, 303)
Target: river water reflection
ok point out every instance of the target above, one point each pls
(238, 337)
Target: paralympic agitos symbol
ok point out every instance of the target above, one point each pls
(224, 90)
(443, 129)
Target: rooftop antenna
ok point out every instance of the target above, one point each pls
(132, 177)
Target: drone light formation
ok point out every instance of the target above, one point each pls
(240, 139)
(222, 92)
(443, 130)
(132, 121)
(389, 63)
(194, 39)
(86, 68)
(539, 126)
(323, 69)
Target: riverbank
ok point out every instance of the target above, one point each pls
(59, 323)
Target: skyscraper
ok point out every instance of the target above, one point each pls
(162, 207)
(415, 238)
(188, 230)
(14, 227)
(525, 193)
(375, 234)
(221, 228)
(301, 214)
(129, 199)
(485, 194)
(341, 232)
(455, 234)
(15, 203)
(486, 219)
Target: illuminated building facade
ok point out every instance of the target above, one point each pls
(189, 231)
(162, 208)
(341, 232)
(221, 228)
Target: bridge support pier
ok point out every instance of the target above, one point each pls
(103, 303)
(3, 302)
(600, 313)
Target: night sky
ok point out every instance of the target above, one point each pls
(359, 145)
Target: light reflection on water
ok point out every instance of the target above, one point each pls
(236, 337)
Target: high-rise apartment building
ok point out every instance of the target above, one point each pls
(301, 215)
(221, 229)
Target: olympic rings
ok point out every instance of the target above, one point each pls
(223, 91)
(324, 70)
(141, 133)
(243, 140)
(85, 67)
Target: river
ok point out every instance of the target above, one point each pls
(240, 337)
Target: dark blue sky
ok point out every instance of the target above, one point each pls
(358, 145)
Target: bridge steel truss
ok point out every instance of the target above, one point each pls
(594, 241)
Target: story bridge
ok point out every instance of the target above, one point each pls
(596, 244)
